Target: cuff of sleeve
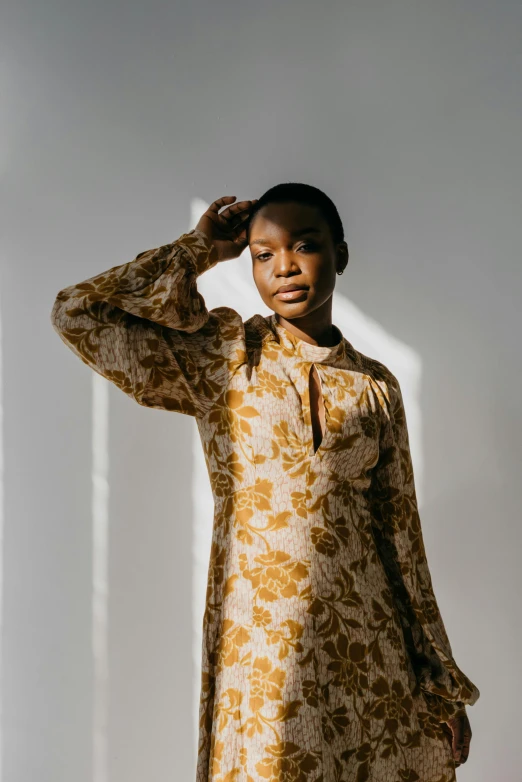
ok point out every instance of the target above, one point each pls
(201, 250)
(443, 679)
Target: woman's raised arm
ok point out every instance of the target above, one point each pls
(145, 327)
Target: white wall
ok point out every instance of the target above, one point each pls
(115, 117)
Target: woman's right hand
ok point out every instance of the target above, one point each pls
(226, 231)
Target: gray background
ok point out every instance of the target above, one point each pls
(408, 114)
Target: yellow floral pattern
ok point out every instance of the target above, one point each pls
(325, 657)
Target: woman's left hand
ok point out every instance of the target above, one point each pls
(458, 731)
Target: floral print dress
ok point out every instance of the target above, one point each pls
(325, 658)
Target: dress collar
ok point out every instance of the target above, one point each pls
(305, 350)
(335, 354)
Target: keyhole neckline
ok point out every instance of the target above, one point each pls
(321, 408)
(306, 351)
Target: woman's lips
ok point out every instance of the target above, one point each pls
(291, 295)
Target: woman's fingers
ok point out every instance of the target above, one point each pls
(233, 219)
(242, 208)
(227, 229)
(216, 205)
(232, 213)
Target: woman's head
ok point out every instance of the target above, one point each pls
(296, 237)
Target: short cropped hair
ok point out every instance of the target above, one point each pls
(303, 194)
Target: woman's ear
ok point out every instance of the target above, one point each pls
(342, 257)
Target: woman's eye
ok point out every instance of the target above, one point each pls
(306, 244)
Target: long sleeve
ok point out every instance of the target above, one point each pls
(145, 327)
(398, 535)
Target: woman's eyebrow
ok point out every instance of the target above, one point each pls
(310, 230)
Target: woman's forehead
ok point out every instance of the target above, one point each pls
(280, 223)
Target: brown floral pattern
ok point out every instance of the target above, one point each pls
(325, 657)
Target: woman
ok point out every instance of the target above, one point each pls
(325, 657)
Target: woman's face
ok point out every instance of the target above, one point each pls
(291, 244)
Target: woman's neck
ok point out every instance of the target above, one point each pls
(321, 334)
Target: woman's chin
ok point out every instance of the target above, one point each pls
(296, 310)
